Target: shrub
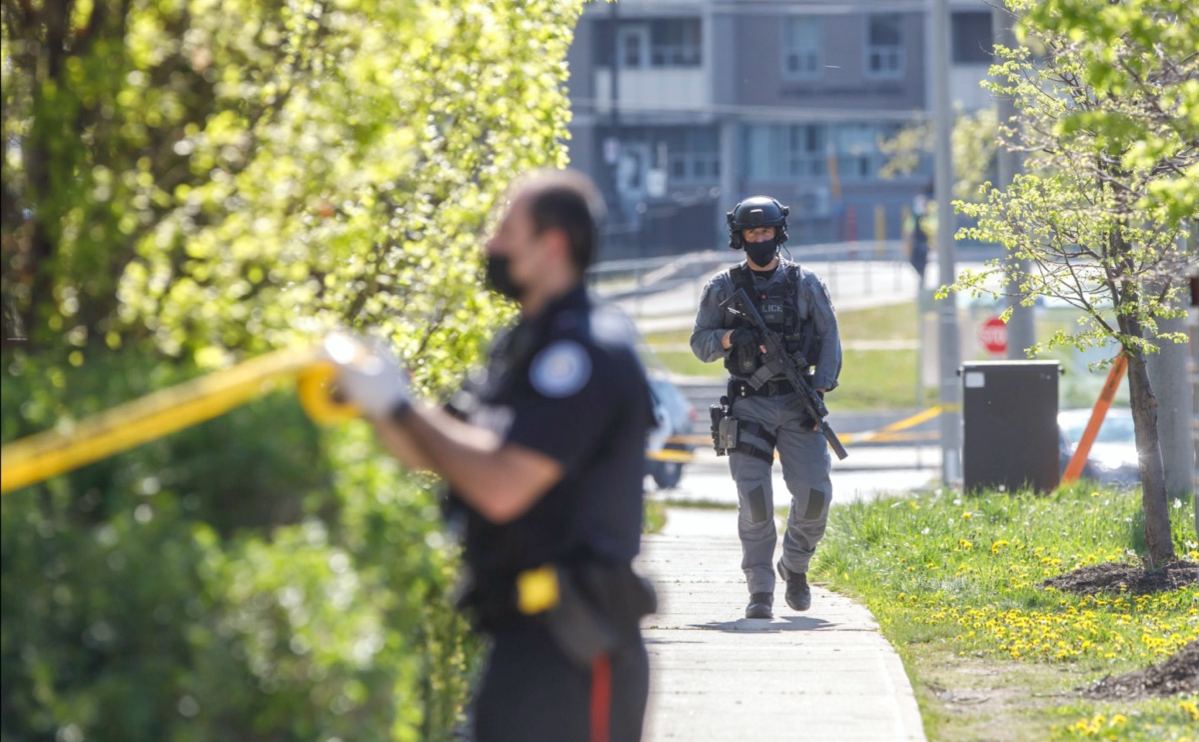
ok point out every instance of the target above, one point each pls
(250, 578)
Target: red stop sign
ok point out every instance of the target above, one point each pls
(993, 335)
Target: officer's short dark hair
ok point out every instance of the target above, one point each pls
(566, 200)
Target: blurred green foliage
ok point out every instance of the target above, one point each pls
(973, 151)
(187, 183)
(249, 578)
(229, 178)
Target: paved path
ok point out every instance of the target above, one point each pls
(826, 675)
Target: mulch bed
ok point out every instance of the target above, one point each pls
(1179, 673)
(1129, 578)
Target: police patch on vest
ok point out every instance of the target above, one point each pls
(561, 369)
(496, 419)
(773, 312)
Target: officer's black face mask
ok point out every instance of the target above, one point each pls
(761, 253)
(499, 277)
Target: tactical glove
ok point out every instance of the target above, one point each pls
(743, 352)
(744, 340)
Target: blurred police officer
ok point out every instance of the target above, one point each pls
(543, 454)
(916, 234)
(795, 303)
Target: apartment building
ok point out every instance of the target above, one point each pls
(683, 107)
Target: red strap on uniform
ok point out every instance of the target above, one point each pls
(601, 697)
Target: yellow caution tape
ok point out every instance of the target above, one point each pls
(691, 440)
(52, 452)
(671, 454)
(891, 432)
(71, 445)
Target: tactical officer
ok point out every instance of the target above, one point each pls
(795, 303)
(543, 454)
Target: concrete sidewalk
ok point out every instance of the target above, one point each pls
(823, 675)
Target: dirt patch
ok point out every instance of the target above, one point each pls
(1118, 577)
(1177, 675)
(977, 699)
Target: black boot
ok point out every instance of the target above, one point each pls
(799, 595)
(759, 606)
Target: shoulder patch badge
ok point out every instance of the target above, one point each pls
(561, 369)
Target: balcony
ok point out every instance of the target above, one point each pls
(655, 91)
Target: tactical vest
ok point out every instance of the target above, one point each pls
(779, 309)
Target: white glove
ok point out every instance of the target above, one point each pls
(369, 376)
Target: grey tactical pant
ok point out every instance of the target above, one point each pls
(804, 456)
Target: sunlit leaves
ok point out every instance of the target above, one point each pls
(1111, 166)
(247, 174)
(1140, 59)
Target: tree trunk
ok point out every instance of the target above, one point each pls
(1158, 541)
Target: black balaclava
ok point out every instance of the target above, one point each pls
(761, 253)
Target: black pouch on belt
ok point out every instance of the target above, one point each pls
(599, 608)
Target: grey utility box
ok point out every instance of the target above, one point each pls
(1009, 425)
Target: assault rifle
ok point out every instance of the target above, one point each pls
(777, 359)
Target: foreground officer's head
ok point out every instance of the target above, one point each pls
(758, 225)
(546, 237)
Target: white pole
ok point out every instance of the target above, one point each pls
(939, 65)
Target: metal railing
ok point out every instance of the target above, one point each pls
(861, 267)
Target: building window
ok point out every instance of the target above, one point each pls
(659, 42)
(632, 43)
(972, 38)
(676, 42)
(801, 47)
(856, 145)
(692, 155)
(786, 152)
(884, 46)
(798, 152)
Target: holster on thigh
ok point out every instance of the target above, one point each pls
(749, 438)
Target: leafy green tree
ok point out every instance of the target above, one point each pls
(1109, 119)
(233, 178)
(1140, 58)
(187, 182)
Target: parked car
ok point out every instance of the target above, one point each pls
(676, 417)
(1113, 455)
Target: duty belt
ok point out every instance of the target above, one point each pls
(588, 607)
(772, 388)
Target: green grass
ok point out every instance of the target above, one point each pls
(886, 378)
(954, 584)
(654, 516)
(870, 379)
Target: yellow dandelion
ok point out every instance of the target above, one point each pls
(1190, 708)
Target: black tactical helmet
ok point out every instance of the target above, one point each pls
(757, 211)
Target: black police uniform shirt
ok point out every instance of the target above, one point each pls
(567, 384)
